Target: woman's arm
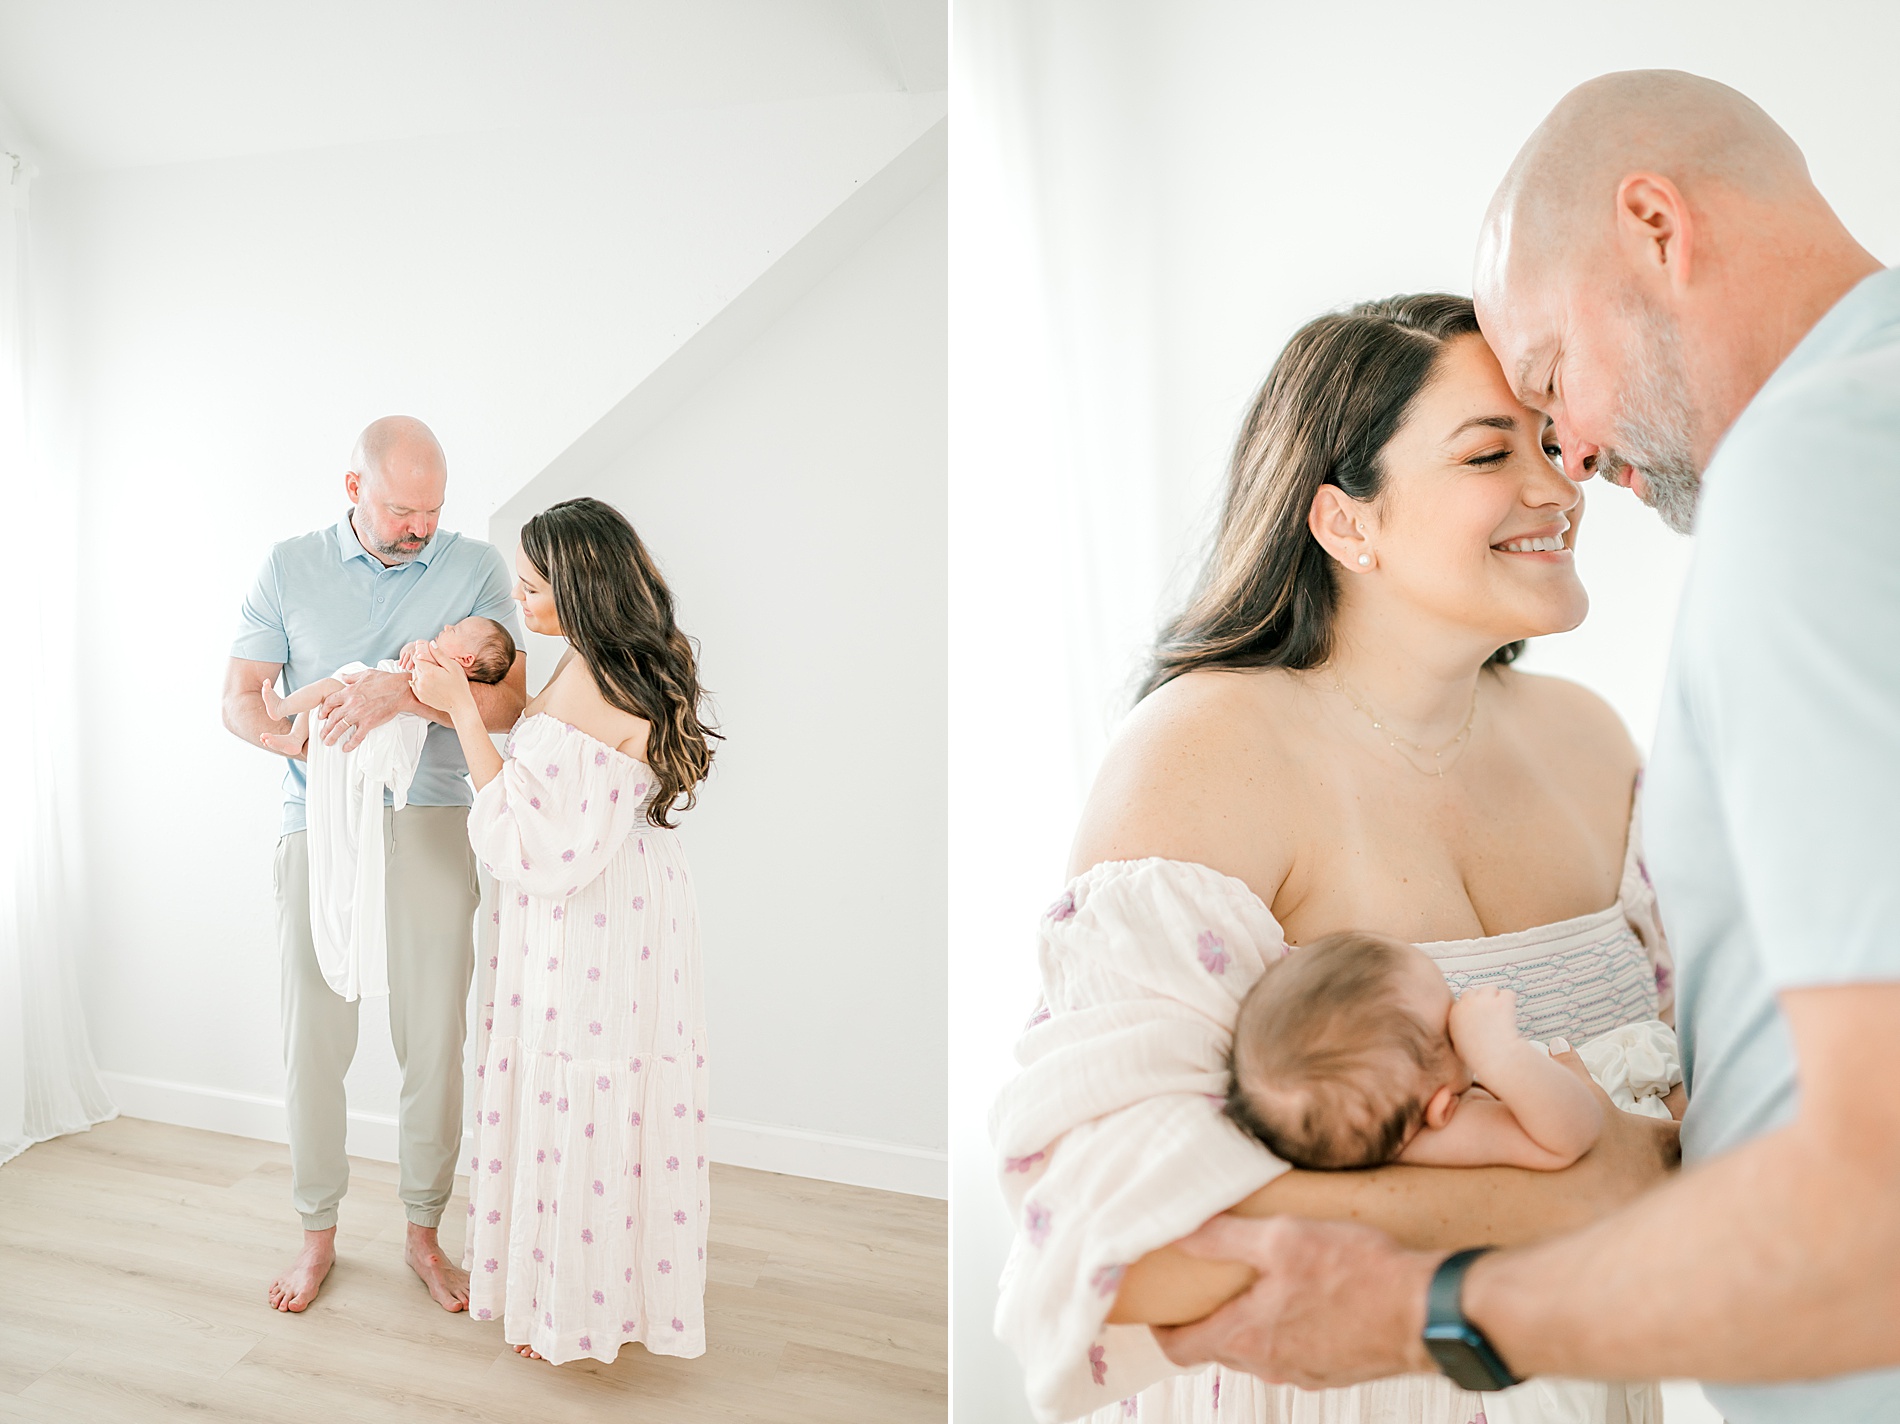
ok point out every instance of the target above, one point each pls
(442, 684)
(1423, 1208)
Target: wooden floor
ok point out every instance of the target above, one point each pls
(134, 1261)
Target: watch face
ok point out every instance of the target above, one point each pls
(1466, 1359)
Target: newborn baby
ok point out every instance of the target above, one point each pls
(482, 646)
(346, 793)
(1352, 1052)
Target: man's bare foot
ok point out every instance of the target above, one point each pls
(447, 1284)
(527, 1352)
(298, 1286)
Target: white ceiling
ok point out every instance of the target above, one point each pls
(124, 83)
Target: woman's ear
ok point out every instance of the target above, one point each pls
(1440, 1106)
(1338, 522)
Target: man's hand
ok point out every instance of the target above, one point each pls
(367, 702)
(1332, 1303)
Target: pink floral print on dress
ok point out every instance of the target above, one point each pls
(1213, 952)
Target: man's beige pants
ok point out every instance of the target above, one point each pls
(430, 899)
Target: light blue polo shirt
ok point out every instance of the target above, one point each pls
(1771, 812)
(322, 600)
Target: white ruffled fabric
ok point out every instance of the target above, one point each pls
(344, 837)
(1113, 1143)
(1636, 1065)
(588, 1188)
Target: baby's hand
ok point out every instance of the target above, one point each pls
(1483, 1019)
(406, 659)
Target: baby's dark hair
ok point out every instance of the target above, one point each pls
(1314, 1048)
(494, 657)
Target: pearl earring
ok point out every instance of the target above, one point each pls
(1365, 561)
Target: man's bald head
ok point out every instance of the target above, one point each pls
(1652, 255)
(397, 479)
(400, 443)
(1554, 206)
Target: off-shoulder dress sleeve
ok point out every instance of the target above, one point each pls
(561, 806)
(1111, 1137)
(1638, 898)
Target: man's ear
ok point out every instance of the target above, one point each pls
(1338, 522)
(1440, 1106)
(1653, 224)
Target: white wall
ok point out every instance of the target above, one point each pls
(1151, 199)
(237, 321)
(796, 503)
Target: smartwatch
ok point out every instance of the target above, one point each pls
(1456, 1346)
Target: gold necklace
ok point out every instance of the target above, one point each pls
(1394, 740)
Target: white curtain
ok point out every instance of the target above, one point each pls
(1056, 578)
(49, 1084)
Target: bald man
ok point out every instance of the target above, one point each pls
(1659, 275)
(379, 577)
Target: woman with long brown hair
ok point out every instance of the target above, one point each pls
(1332, 737)
(588, 1184)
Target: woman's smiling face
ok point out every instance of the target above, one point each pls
(1476, 522)
(535, 597)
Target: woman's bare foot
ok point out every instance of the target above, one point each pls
(527, 1352)
(447, 1284)
(298, 1286)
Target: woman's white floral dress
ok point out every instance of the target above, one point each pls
(588, 1185)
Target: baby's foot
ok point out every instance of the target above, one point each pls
(288, 743)
(271, 700)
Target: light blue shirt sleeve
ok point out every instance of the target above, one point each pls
(261, 636)
(496, 597)
(1798, 687)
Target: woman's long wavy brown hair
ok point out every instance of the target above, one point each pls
(1334, 398)
(618, 613)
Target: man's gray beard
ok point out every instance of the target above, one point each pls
(1654, 426)
(381, 550)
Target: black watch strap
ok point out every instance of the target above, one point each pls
(1457, 1346)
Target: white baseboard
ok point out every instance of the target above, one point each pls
(858, 1161)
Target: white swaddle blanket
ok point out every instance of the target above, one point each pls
(1113, 1142)
(1636, 1065)
(343, 811)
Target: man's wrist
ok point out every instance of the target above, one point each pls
(1486, 1288)
(1457, 1344)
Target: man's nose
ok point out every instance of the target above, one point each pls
(1580, 458)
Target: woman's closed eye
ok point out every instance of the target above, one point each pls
(1552, 451)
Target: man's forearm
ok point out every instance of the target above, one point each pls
(1778, 1261)
(500, 704)
(246, 719)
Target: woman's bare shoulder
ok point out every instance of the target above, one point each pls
(1197, 773)
(1575, 727)
(573, 697)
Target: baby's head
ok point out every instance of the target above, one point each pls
(482, 646)
(1339, 1048)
